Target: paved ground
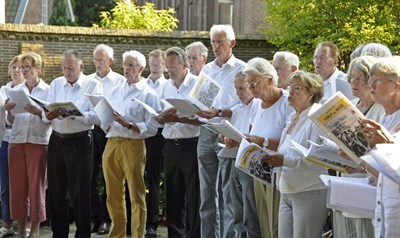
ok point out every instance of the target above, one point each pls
(45, 232)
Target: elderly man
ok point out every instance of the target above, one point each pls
(69, 157)
(154, 145)
(103, 56)
(124, 157)
(285, 63)
(214, 172)
(326, 59)
(180, 166)
(197, 54)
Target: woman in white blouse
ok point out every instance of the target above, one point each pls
(302, 208)
(28, 151)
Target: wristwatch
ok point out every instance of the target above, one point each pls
(219, 113)
(265, 143)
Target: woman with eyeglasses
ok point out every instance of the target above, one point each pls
(14, 69)
(267, 125)
(28, 151)
(302, 208)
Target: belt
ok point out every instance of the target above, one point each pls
(183, 141)
(71, 135)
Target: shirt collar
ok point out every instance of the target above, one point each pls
(78, 82)
(231, 62)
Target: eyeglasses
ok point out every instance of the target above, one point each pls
(194, 58)
(99, 60)
(172, 68)
(295, 89)
(254, 84)
(26, 67)
(130, 65)
(218, 43)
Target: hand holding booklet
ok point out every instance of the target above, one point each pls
(66, 109)
(201, 97)
(323, 153)
(226, 129)
(341, 121)
(250, 160)
(18, 97)
(348, 194)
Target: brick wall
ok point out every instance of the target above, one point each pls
(51, 41)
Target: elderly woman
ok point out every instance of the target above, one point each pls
(28, 151)
(273, 110)
(385, 89)
(302, 208)
(14, 69)
(346, 224)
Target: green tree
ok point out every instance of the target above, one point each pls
(299, 25)
(59, 14)
(87, 11)
(131, 16)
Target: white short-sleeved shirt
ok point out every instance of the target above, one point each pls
(109, 82)
(180, 130)
(62, 91)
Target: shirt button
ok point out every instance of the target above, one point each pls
(379, 202)
(379, 219)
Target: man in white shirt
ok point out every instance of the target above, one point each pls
(124, 157)
(214, 172)
(197, 54)
(103, 56)
(285, 63)
(70, 158)
(326, 59)
(180, 166)
(154, 146)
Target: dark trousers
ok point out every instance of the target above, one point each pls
(154, 160)
(182, 188)
(69, 168)
(99, 212)
(4, 183)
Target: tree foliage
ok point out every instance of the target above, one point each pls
(131, 16)
(59, 14)
(87, 11)
(299, 25)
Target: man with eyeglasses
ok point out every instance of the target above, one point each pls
(214, 171)
(197, 54)
(326, 59)
(103, 57)
(180, 157)
(124, 157)
(154, 145)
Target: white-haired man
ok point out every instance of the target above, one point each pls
(197, 54)
(214, 171)
(285, 63)
(124, 157)
(103, 57)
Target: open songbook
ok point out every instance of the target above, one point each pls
(323, 153)
(348, 194)
(66, 109)
(386, 159)
(249, 159)
(17, 96)
(201, 97)
(226, 129)
(341, 121)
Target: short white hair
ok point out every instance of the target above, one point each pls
(199, 45)
(290, 58)
(376, 49)
(140, 58)
(109, 51)
(227, 29)
(262, 67)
